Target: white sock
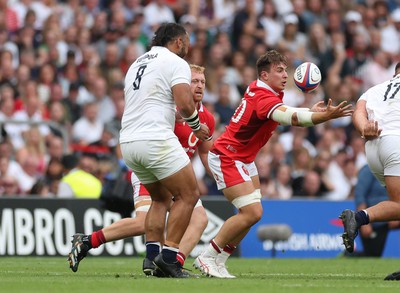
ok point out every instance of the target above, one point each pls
(222, 257)
(212, 251)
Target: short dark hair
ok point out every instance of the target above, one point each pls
(397, 69)
(270, 57)
(69, 161)
(166, 33)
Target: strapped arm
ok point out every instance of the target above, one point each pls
(286, 115)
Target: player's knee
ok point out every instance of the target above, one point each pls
(257, 213)
(189, 199)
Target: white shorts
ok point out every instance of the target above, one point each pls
(154, 160)
(228, 172)
(383, 156)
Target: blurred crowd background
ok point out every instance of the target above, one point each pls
(63, 63)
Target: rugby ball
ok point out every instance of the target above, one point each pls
(307, 77)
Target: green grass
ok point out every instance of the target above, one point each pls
(114, 275)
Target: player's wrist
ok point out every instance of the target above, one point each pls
(193, 121)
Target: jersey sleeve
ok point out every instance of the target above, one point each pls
(180, 72)
(266, 105)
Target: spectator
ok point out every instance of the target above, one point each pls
(54, 173)
(10, 16)
(336, 174)
(246, 22)
(55, 148)
(380, 64)
(106, 107)
(9, 187)
(88, 128)
(301, 164)
(11, 168)
(314, 13)
(58, 115)
(293, 40)
(77, 183)
(32, 112)
(34, 148)
(223, 105)
(156, 12)
(311, 186)
(271, 23)
(318, 43)
(73, 108)
(390, 41)
(280, 187)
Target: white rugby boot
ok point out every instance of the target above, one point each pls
(224, 271)
(207, 266)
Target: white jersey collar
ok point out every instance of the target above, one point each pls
(260, 83)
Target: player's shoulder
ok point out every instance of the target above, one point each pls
(204, 113)
(377, 89)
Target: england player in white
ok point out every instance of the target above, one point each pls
(156, 84)
(377, 119)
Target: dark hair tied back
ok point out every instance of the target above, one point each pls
(166, 33)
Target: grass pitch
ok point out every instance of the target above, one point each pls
(115, 274)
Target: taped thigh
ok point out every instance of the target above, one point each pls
(246, 200)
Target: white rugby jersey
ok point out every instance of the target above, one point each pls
(149, 112)
(383, 105)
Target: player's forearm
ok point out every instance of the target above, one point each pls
(359, 121)
(183, 100)
(360, 116)
(300, 117)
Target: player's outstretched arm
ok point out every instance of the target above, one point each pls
(303, 117)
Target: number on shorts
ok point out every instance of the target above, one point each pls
(138, 79)
(391, 91)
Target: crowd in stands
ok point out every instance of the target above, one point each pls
(63, 62)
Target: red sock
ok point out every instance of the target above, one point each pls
(98, 238)
(215, 246)
(229, 248)
(181, 258)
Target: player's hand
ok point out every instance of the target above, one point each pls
(318, 107)
(341, 110)
(371, 130)
(203, 132)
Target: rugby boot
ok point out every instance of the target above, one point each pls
(350, 229)
(78, 252)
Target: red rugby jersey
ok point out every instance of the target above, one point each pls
(250, 127)
(185, 135)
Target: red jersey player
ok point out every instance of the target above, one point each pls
(231, 159)
(130, 227)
